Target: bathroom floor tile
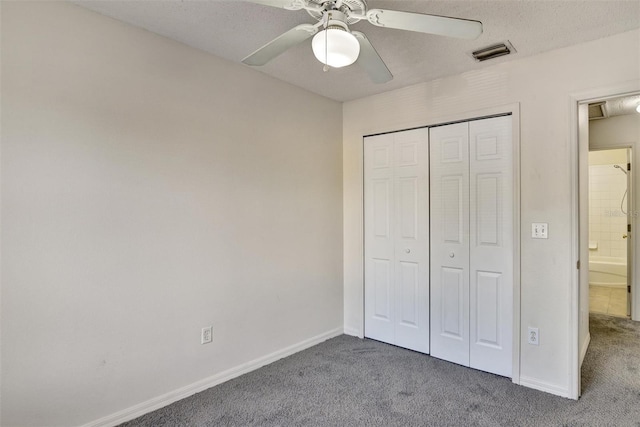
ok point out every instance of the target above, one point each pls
(618, 309)
(608, 300)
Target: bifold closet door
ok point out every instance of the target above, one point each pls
(450, 242)
(491, 245)
(472, 244)
(396, 228)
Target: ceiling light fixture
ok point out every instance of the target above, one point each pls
(335, 46)
(638, 108)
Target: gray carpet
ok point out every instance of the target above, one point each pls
(351, 382)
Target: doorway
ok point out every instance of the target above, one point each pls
(586, 138)
(609, 231)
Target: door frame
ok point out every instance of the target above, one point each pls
(514, 111)
(575, 99)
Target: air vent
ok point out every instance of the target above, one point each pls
(598, 110)
(494, 51)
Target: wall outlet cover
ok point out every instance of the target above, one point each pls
(206, 335)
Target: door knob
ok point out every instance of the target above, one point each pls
(408, 250)
(624, 236)
(451, 254)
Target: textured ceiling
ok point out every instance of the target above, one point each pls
(619, 106)
(234, 29)
(622, 106)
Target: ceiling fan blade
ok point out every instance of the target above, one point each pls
(371, 61)
(285, 4)
(423, 23)
(281, 43)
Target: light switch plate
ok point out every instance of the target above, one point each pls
(540, 230)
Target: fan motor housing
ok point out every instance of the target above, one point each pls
(337, 19)
(356, 7)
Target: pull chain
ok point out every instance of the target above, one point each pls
(326, 44)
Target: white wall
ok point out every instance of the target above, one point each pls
(608, 157)
(542, 85)
(614, 131)
(148, 190)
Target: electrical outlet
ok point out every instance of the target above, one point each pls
(534, 336)
(206, 336)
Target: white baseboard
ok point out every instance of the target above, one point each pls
(544, 386)
(351, 331)
(585, 346)
(173, 396)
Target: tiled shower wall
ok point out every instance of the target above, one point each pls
(607, 223)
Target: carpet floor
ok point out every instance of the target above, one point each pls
(347, 381)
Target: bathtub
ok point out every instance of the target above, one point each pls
(608, 271)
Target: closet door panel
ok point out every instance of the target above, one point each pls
(379, 220)
(491, 244)
(412, 239)
(452, 303)
(396, 228)
(449, 172)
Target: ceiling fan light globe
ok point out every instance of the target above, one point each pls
(342, 47)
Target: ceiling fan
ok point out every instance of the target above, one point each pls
(337, 46)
